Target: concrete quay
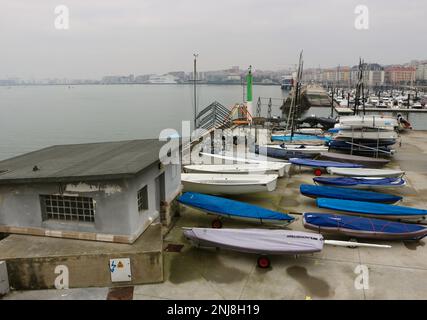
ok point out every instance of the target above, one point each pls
(190, 273)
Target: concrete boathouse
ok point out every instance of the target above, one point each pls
(109, 191)
(116, 193)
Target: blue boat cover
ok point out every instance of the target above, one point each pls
(223, 206)
(347, 194)
(362, 207)
(280, 153)
(299, 137)
(345, 182)
(323, 163)
(334, 130)
(359, 223)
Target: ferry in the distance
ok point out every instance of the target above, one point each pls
(287, 82)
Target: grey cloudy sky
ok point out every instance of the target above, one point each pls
(154, 36)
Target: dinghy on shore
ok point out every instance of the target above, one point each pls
(314, 191)
(342, 157)
(361, 227)
(301, 148)
(242, 168)
(370, 209)
(322, 163)
(281, 153)
(370, 121)
(264, 242)
(361, 183)
(299, 137)
(259, 241)
(222, 207)
(244, 157)
(362, 172)
(366, 135)
(228, 183)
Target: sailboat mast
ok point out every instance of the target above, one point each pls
(296, 94)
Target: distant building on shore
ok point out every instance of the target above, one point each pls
(373, 74)
(118, 79)
(421, 73)
(400, 75)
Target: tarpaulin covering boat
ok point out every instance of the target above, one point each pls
(260, 241)
(361, 183)
(379, 210)
(233, 209)
(341, 157)
(313, 121)
(314, 191)
(361, 227)
(314, 150)
(299, 137)
(322, 163)
(280, 152)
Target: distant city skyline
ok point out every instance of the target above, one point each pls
(158, 36)
(187, 75)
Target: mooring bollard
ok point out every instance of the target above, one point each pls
(4, 280)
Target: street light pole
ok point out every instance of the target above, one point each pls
(194, 86)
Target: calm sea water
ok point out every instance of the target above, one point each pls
(34, 117)
(38, 116)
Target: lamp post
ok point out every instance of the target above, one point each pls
(194, 88)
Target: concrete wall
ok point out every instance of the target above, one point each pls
(4, 281)
(116, 210)
(39, 262)
(172, 183)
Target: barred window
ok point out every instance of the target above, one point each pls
(67, 208)
(143, 199)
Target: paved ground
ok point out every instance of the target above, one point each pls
(396, 273)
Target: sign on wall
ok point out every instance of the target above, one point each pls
(120, 270)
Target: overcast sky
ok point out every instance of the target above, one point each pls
(107, 37)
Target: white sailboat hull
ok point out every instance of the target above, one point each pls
(278, 168)
(361, 172)
(372, 121)
(368, 135)
(228, 183)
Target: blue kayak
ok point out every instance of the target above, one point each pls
(361, 227)
(360, 182)
(323, 163)
(300, 137)
(385, 211)
(314, 191)
(231, 208)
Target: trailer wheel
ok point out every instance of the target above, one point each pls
(217, 224)
(263, 262)
(317, 172)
